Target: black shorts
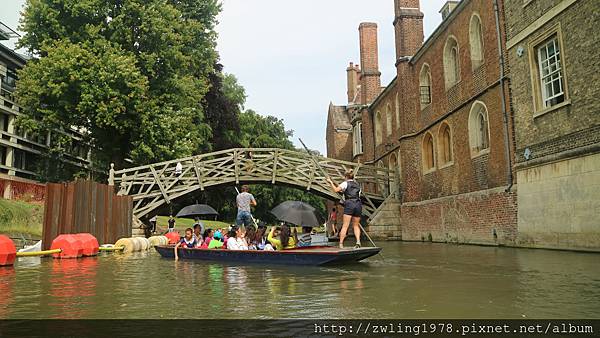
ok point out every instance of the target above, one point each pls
(353, 208)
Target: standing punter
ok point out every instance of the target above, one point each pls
(244, 200)
(352, 206)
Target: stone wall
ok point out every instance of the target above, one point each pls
(559, 203)
(560, 175)
(386, 224)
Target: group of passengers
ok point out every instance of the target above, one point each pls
(248, 238)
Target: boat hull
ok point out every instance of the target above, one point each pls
(300, 256)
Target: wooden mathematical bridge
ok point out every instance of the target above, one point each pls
(156, 184)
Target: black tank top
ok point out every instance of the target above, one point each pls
(352, 191)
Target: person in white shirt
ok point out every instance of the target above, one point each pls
(236, 239)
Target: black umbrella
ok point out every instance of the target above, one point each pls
(296, 212)
(197, 210)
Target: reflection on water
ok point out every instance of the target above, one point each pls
(7, 281)
(414, 281)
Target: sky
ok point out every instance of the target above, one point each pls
(291, 56)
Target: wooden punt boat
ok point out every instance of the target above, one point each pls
(313, 255)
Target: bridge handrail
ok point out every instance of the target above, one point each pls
(233, 150)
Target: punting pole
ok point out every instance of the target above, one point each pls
(327, 176)
(253, 220)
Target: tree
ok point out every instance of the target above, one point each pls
(263, 131)
(222, 105)
(131, 74)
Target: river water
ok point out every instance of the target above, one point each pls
(414, 280)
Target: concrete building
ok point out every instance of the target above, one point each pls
(21, 153)
(443, 125)
(553, 50)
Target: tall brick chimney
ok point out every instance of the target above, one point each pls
(353, 72)
(370, 79)
(408, 26)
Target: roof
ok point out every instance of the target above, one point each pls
(384, 92)
(11, 57)
(338, 117)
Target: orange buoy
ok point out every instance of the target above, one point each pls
(173, 237)
(8, 251)
(90, 244)
(71, 246)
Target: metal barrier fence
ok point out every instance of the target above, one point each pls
(86, 207)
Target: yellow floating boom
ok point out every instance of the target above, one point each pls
(38, 253)
(114, 248)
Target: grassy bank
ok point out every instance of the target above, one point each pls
(18, 217)
(182, 223)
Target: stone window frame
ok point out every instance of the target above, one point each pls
(451, 67)
(441, 139)
(388, 120)
(539, 107)
(357, 143)
(477, 142)
(477, 48)
(424, 77)
(378, 129)
(429, 155)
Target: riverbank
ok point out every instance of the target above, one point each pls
(181, 224)
(21, 219)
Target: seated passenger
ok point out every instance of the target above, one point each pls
(224, 232)
(236, 239)
(285, 241)
(217, 241)
(198, 235)
(260, 239)
(250, 237)
(305, 239)
(188, 241)
(208, 237)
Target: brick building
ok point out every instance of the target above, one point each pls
(443, 125)
(553, 51)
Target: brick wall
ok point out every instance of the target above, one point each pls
(22, 190)
(466, 173)
(471, 218)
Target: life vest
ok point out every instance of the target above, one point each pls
(352, 191)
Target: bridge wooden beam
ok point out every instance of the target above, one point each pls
(311, 177)
(236, 161)
(157, 184)
(131, 184)
(275, 164)
(199, 169)
(378, 209)
(160, 185)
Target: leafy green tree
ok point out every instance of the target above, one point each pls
(223, 104)
(263, 131)
(131, 74)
